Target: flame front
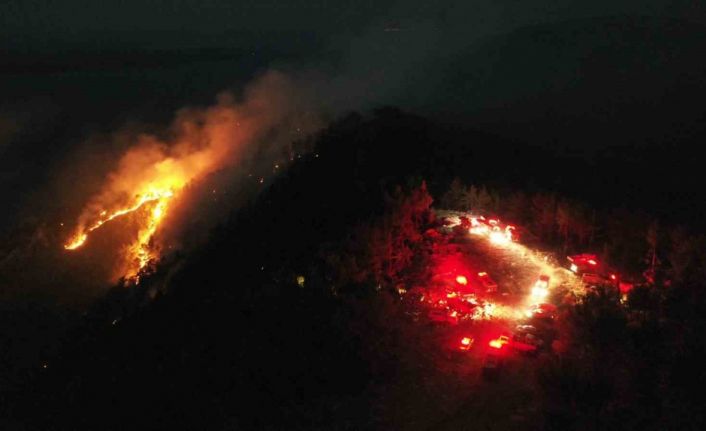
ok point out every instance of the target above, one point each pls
(139, 252)
(141, 248)
(154, 169)
(81, 237)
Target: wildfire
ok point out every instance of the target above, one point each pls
(140, 248)
(139, 252)
(155, 170)
(80, 238)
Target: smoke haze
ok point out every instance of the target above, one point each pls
(203, 157)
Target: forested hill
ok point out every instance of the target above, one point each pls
(260, 349)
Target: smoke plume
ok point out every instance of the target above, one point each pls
(235, 135)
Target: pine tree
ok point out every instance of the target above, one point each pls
(455, 198)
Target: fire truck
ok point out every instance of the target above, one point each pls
(583, 263)
(594, 272)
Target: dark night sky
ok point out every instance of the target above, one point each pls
(179, 23)
(174, 24)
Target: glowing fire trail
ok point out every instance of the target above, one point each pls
(139, 250)
(198, 143)
(82, 236)
(141, 247)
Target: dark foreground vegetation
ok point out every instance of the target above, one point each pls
(289, 317)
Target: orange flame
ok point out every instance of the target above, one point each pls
(80, 238)
(139, 251)
(199, 142)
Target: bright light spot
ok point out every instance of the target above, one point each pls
(140, 251)
(479, 230)
(76, 242)
(498, 238)
(300, 280)
(592, 262)
(466, 341)
(539, 292)
(508, 232)
(499, 342)
(461, 279)
(489, 310)
(574, 268)
(543, 282)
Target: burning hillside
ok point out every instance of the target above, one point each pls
(155, 171)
